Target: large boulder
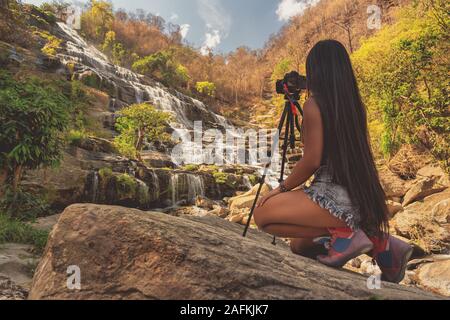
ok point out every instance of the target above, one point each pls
(393, 185)
(435, 277)
(427, 222)
(130, 254)
(423, 188)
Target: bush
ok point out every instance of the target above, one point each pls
(220, 177)
(19, 232)
(403, 75)
(139, 123)
(206, 88)
(75, 137)
(27, 206)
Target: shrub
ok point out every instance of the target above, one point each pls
(12, 230)
(206, 88)
(139, 123)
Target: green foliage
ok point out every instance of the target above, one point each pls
(97, 21)
(114, 49)
(15, 231)
(164, 67)
(23, 205)
(139, 123)
(53, 43)
(75, 137)
(105, 173)
(126, 185)
(33, 115)
(191, 167)
(403, 74)
(206, 88)
(220, 177)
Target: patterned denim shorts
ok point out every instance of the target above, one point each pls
(333, 197)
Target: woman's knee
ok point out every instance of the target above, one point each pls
(259, 218)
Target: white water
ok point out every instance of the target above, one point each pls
(89, 58)
(186, 186)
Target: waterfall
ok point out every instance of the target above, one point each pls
(196, 187)
(88, 58)
(94, 188)
(186, 187)
(156, 191)
(174, 188)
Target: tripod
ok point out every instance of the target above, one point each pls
(289, 120)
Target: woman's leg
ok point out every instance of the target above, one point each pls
(294, 215)
(307, 248)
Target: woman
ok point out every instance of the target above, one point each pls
(345, 201)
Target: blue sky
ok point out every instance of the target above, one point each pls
(222, 25)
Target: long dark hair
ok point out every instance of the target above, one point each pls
(332, 83)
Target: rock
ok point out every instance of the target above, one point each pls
(17, 263)
(431, 171)
(11, 291)
(435, 277)
(245, 201)
(130, 254)
(426, 223)
(393, 185)
(220, 212)
(96, 145)
(423, 188)
(394, 208)
(60, 186)
(205, 203)
(46, 223)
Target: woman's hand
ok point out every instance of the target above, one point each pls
(271, 194)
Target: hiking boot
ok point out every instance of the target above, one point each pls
(345, 245)
(392, 256)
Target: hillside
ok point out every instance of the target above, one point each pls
(87, 116)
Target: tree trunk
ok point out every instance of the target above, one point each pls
(139, 144)
(3, 179)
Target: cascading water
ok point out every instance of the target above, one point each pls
(185, 109)
(186, 187)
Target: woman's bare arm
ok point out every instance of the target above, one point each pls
(313, 146)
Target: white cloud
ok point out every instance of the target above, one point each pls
(217, 22)
(174, 16)
(184, 30)
(291, 8)
(214, 15)
(212, 40)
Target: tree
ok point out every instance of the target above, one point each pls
(97, 21)
(33, 116)
(164, 67)
(137, 124)
(206, 88)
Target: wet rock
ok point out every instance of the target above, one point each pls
(185, 258)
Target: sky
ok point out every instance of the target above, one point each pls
(220, 25)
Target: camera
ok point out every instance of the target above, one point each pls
(294, 82)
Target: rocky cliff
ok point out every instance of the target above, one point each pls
(130, 254)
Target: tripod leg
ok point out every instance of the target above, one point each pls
(263, 178)
(285, 146)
